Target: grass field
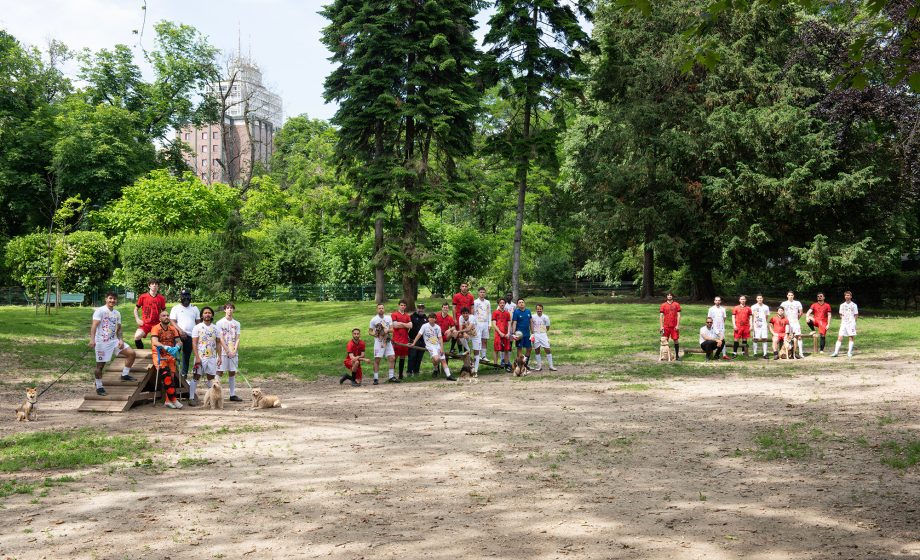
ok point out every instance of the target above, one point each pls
(307, 339)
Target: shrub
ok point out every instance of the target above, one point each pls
(82, 260)
(181, 260)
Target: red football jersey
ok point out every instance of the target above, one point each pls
(670, 311)
(779, 324)
(151, 307)
(501, 318)
(460, 301)
(444, 321)
(401, 334)
(742, 316)
(354, 348)
(821, 312)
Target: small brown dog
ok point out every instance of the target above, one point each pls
(520, 367)
(785, 349)
(466, 373)
(214, 397)
(261, 400)
(664, 353)
(27, 410)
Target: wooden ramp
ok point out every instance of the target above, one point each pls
(121, 395)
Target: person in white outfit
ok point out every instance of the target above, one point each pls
(849, 312)
(718, 315)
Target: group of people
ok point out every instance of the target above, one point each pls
(176, 336)
(407, 337)
(754, 323)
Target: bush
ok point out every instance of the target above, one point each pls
(181, 260)
(82, 261)
(296, 260)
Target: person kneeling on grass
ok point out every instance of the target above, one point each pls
(711, 340)
(105, 338)
(354, 355)
(434, 343)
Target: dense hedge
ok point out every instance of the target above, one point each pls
(82, 261)
(179, 260)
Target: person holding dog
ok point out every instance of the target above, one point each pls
(381, 328)
(354, 355)
(779, 329)
(105, 337)
(793, 312)
(712, 341)
(819, 317)
(470, 339)
(165, 345)
(669, 322)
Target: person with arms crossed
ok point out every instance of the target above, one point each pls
(417, 352)
(482, 309)
(779, 330)
(849, 312)
(150, 305)
(105, 338)
(760, 315)
(402, 322)
(184, 316)
(522, 320)
(819, 315)
(669, 322)
(793, 311)
(381, 328)
(711, 340)
(164, 343)
(741, 321)
(206, 346)
(434, 343)
(501, 318)
(718, 315)
(354, 355)
(230, 342)
(541, 338)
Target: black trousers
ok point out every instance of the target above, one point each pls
(710, 347)
(186, 355)
(415, 358)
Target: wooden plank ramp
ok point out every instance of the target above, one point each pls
(122, 395)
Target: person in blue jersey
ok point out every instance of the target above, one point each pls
(522, 321)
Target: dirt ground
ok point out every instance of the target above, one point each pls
(549, 467)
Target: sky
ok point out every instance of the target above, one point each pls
(281, 36)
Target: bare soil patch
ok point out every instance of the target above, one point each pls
(543, 468)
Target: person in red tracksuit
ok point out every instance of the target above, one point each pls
(741, 319)
(819, 316)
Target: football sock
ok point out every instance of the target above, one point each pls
(139, 344)
(402, 364)
(539, 361)
(823, 342)
(192, 387)
(125, 371)
(232, 385)
(676, 349)
(850, 348)
(837, 347)
(801, 348)
(744, 347)
(549, 358)
(446, 371)
(476, 364)
(735, 348)
(376, 375)
(98, 383)
(755, 348)
(391, 374)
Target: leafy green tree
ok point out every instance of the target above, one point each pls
(535, 50)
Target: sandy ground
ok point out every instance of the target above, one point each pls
(549, 467)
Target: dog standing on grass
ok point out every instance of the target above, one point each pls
(664, 352)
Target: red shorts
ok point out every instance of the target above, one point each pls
(822, 328)
(147, 328)
(348, 363)
(401, 351)
(502, 344)
(743, 332)
(672, 333)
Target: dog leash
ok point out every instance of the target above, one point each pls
(83, 355)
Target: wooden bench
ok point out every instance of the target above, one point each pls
(813, 335)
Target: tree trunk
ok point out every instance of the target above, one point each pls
(522, 169)
(648, 268)
(702, 287)
(380, 294)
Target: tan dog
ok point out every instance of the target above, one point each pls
(664, 353)
(786, 348)
(467, 373)
(520, 367)
(261, 400)
(27, 410)
(214, 397)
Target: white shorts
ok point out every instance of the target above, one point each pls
(847, 329)
(435, 351)
(381, 350)
(475, 343)
(795, 327)
(209, 366)
(483, 331)
(540, 340)
(229, 364)
(105, 350)
(720, 333)
(761, 332)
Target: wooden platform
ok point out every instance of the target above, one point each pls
(121, 395)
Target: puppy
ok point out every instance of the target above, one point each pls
(520, 367)
(466, 373)
(664, 353)
(27, 410)
(214, 397)
(261, 400)
(785, 348)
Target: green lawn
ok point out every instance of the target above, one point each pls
(307, 339)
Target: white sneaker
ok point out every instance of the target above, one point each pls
(849, 354)
(551, 368)
(170, 404)
(177, 404)
(834, 355)
(537, 368)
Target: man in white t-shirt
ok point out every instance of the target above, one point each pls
(230, 344)
(760, 316)
(184, 316)
(469, 338)
(482, 310)
(206, 346)
(718, 315)
(105, 337)
(849, 312)
(381, 328)
(430, 333)
(541, 338)
(712, 341)
(793, 310)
